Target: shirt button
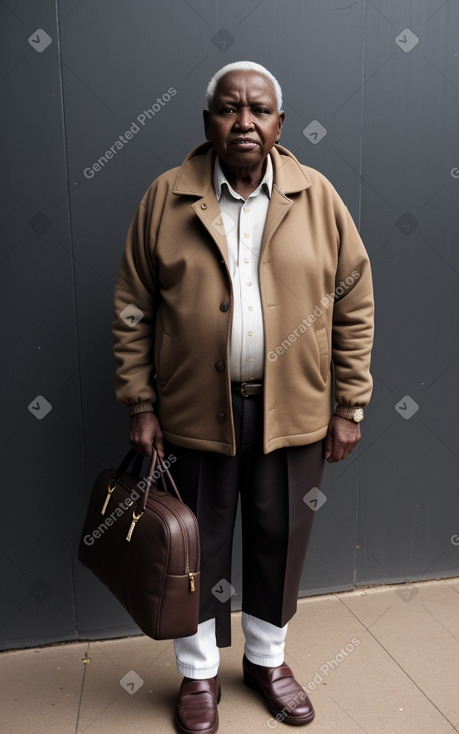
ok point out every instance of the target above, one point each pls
(221, 417)
(249, 359)
(203, 206)
(220, 366)
(246, 210)
(250, 333)
(246, 235)
(249, 282)
(246, 260)
(224, 306)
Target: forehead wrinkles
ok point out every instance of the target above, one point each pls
(246, 88)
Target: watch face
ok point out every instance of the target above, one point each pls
(358, 415)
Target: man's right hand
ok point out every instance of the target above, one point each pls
(144, 432)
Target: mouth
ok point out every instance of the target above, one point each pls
(244, 143)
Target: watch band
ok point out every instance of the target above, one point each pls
(351, 413)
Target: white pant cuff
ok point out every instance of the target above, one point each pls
(264, 660)
(197, 674)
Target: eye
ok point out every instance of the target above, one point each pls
(262, 111)
(227, 110)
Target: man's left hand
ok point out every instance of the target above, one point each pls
(342, 438)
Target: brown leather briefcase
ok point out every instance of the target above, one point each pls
(142, 542)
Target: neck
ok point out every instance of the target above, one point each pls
(244, 180)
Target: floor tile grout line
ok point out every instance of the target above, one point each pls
(348, 714)
(83, 680)
(440, 623)
(379, 643)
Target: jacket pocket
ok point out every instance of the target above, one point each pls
(324, 355)
(164, 359)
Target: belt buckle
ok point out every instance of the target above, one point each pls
(250, 388)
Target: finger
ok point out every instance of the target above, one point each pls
(133, 440)
(331, 455)
(342, 452)
(141, 448)
(147, 448)
(138, 443)
(338, 452)
(158, 443)
(333, 458)
(149, 440)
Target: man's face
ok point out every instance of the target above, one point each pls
(243, 123)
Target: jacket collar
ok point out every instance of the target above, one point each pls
(194, 177)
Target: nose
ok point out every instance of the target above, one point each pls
(244, 119)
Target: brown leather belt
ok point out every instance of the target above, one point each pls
(248, 389)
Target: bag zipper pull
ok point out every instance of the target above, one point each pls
(192, 585)
(135, 519)
(110, 489)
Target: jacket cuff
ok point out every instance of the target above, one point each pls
(144, 407)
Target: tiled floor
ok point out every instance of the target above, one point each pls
(376, 661)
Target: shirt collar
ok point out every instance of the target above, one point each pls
(219, 179)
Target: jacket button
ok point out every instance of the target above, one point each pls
(220, 366)
(224, 306)
(221, 417)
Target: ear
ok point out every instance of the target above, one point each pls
(205, 115)
(280, 122)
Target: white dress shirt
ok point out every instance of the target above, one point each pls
(244, 222)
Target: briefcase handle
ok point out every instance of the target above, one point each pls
(137, 460)
(164, 474)
(164, 469)
(132, 457)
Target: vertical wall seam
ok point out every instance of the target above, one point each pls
(361, 132)
(362, 113)
(72, 265)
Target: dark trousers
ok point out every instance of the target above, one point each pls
(276, 522)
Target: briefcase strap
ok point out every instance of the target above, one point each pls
(166, 473)
(156, 467)
(131, 457)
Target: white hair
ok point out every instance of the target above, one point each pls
(242, 66)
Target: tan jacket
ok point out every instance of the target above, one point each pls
(316, 297)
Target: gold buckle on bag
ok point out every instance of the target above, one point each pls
(110, 489)
(135, 520)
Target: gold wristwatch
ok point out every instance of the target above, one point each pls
(352, 414)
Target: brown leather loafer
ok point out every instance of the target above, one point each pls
(287, 700)
(197, 706)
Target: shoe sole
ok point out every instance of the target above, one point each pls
(183, 730)
(293, 720)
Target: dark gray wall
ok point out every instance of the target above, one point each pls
(382, 79)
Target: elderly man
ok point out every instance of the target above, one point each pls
(252, 283)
